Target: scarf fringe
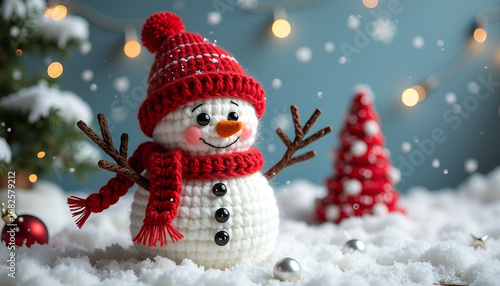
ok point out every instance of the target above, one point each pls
(152, 234)
(79, 209)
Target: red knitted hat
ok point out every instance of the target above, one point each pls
(186, 68)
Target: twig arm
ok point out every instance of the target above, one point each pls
(297, 144)
(106, 144)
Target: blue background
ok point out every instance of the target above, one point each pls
(388, 69)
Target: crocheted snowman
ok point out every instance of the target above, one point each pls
(201, 194)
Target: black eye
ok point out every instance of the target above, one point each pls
(233, 116)
(203, 119)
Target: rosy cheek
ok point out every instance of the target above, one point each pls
(246, 132)
(192, 134)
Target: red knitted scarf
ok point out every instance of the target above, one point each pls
(167, 169)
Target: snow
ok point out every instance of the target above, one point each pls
(93, 87)
(5, 152)
(86, 152)
(353, 22)
(470, 165)
(86, 47)
(450, 98)
(39, 99)
(121, 84)
(14, 31)
(87, 75)
(248, 4)
(271, 148)
(418, 42)
(342, 60)
(383, 30)
(473, 87)
(329, 47)
(406, 147)
(304, 54)
(431, 244)
(17, 74)
(276, 83)
(21, 9)
(71, 27)
(435, 163)
(214, 18)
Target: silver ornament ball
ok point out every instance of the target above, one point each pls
(354, 245)
(287, 269)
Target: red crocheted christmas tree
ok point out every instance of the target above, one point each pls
(364, 180)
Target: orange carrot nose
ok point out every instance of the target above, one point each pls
(226, 128)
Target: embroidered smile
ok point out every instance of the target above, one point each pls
(219, 147)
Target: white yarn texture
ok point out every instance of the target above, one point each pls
(254, 216)
(169, 132)
(252, 225)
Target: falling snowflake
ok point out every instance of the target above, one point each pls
(418, 42)
(280, 121)
(248, 4)
(276, 83)
(470, 165)
(353, 22)
(121, 84)
(304, 54)
(329, 47)
(450, 98)
(214, 18)
(383, 30)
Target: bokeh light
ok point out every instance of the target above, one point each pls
(410, 97)
(33, 178)
(55, 70)
(59, 12)
(281, 28)
(132, 49)
(370, 3)
(480, 35)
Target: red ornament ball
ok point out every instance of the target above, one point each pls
(25, 228)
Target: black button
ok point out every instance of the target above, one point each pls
(219, 189)
(222, 215)
(221, 238)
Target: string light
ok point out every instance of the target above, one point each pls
(48, 12)
(19, 52)
(370, 3)
(55, 70)
(33, 178)
(281, 28)
(59, 12)
(479, 35)
(40, 154)
(410, 97)
(132, 47)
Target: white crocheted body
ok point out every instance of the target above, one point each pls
(252, 225)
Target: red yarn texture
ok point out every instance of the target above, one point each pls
(362, 182)
(188, 67)
(167, 169)
(158, 27)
